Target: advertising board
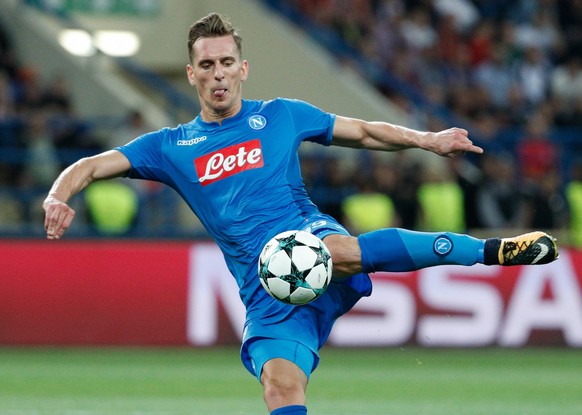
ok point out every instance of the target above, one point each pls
(181, 293)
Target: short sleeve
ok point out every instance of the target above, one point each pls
(145, 155)
(311, 123)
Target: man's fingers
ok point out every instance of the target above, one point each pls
(57, 220)
(70, 214)
(50, 221)
(475, 149)
(467, 144)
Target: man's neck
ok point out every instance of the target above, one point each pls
(209, 115)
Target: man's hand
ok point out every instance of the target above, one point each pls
(58, 217)
(451, 142)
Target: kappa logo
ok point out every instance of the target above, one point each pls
(229, 161)
(191, 142)
(257, 122)
(442, 245)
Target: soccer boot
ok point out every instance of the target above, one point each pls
(534, 248)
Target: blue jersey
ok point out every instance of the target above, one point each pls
(241, 177)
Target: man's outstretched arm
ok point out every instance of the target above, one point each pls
(76, 177)
(382, 136)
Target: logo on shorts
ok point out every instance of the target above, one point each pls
(257, 122)
(229, 161)
(442, 245)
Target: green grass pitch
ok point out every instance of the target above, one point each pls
(383, 381)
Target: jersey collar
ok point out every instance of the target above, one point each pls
(245, 109)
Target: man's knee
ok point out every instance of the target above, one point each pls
(345, 254)
(284, 383)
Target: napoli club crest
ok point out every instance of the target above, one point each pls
(442, 245)
(257, 122)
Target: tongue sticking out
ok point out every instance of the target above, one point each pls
(219, 93)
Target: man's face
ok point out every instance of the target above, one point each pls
(217, 72)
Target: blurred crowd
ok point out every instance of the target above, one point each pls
(510, 71)
(36, 121)
(41, 134)
(493, 63)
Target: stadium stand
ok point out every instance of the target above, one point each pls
(509, 72)
(506, 71)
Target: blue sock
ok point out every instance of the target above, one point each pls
(398, 250)
(291, 410)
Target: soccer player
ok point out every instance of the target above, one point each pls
(236, 165)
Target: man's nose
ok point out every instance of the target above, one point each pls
(219, 72)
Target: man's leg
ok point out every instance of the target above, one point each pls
(403, 250)
(283, 367)
(284, 386)
(398, 250)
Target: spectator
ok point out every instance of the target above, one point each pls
(539, 32)
(570, 22)
(468, 178)
(481, 43)
(133, 125)
(57, 97)
(450, 40)
(42, 162)
(574, 199)
(8, 63)
(533, 75)
(500, 203)
(417, 31)
(112, 207)
(566, 82)
(547, 204)
(493, 75)
(517, 111)
(466, 15)
(368, 209)
(402, 186)
(27, 89)
(327, 181)
(537, 154)
(386, 36)
(571, 116)
(441, 202)
(6, 98)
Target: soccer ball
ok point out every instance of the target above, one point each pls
(295, 267)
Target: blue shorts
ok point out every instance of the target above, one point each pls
(296, 333)
(262, 349)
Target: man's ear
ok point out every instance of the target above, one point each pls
(190, 74)
(244, 70)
